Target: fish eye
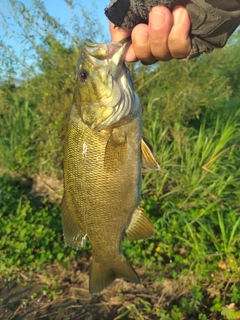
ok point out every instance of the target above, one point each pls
(82, 75)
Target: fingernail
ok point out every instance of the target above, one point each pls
(178, 15)
(156, 19)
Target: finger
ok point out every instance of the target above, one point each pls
(140, 42)
(160, 24)
(179, 42)
(130, 54)
(117, 33)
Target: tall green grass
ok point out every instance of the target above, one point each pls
(199, 165)
(19, 137)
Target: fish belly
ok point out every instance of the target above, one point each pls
(102, 174)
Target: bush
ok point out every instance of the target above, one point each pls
(31, 230)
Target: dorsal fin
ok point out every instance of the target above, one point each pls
(148, 160)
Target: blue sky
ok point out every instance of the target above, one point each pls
(59, 9)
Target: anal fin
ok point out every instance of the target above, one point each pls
(73, 234)
(140, 226)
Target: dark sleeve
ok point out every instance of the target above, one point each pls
(213, 21)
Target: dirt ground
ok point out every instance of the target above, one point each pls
(44, 297)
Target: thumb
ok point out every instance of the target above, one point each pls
(118, 33)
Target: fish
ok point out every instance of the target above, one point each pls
(104, 153)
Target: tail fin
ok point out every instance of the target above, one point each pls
(102, 274)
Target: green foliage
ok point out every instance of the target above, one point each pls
(199, 163)
(19, 135)
(31, 231)
(182, 91)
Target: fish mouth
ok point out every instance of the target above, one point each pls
(113, 53)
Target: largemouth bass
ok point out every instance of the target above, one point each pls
(103, 156)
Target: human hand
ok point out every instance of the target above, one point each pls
(165, 37)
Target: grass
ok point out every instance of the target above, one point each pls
(191, 265)
(193, 203)
(199, 164)
(18, 137)
(24, 146)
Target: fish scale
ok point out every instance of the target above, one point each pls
(97, 182)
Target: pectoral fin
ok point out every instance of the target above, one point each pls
(148, 160)
(140, 226)
(118, 136)
(116, 150)
(73, 235)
